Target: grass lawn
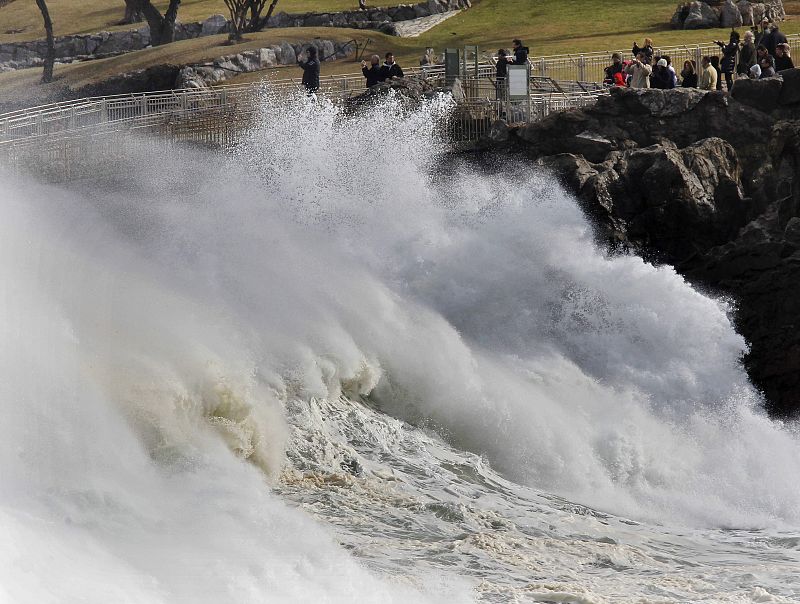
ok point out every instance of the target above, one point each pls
(547, 26)
(88, 16)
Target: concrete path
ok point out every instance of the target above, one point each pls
(414, 27)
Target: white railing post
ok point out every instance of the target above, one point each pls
(581, 69)
(103, 111)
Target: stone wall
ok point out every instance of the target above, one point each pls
(221, 69)
(81, 47)
(726, 13)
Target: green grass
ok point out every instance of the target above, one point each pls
(24, 84)
(547, 26)
(87, 16)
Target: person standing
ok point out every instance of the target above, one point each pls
(777, 37)
(767, 65)
(613, 69)
(390, 69)
(715, 64)
(708, 75)
(689, 75)
(310, 69)
(747, 54)
(647, 49)
(520, 52)
(729, 53)
(373, 72)
(639, 72)
(662, 76)
(783, 58)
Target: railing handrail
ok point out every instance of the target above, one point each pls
(658, 50)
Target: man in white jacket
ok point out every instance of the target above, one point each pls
(640, 72)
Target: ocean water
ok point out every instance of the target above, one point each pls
(330, 366)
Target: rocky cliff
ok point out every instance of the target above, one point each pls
(704, 181)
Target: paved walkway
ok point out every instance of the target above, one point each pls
(414, 27)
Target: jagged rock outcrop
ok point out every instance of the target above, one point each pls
(662, 197)
(226, 67)
(706, 181)
(726, 13)
(411, 91)
(700, 16)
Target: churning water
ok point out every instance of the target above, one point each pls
(327, 368)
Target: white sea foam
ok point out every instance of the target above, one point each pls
(156, 332)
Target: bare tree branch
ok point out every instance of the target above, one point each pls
(246, 15)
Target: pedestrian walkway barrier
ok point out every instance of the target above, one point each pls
(58, 132)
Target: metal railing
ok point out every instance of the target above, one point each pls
(68, 116)
(589, 67)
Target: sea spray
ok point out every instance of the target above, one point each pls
(156, 332)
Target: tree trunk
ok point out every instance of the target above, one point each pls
(133, 13)
(50, 57)
(168, 27)
(257, 22)
(162, 29)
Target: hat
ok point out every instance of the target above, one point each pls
(755, 70)
(662, 63)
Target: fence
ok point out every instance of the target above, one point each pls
(589, 67)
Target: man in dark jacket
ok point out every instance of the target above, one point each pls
(778, 37)
(520, 53)
(390, 69)
(310, 70)
(373, 72)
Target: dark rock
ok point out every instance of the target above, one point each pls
(790, 90)
(729, 15)
(759, 94)
(701, 16)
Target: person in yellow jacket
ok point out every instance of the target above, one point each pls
(640, 72)
(708, 75)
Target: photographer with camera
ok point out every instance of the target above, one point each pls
(647, 51)
(639, 72)
(310, 69)
(729, 53)
(373, 72)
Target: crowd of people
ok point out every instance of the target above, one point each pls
(761, 53)
(375, 73)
